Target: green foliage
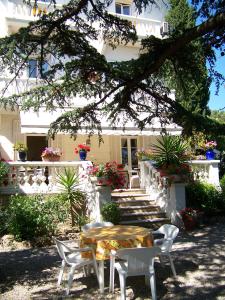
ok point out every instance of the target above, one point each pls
(169, 150)
(28, 217)
(190, 80)
(222, 184)
(69, 181)
(4, 171)
(205, 197)
(111, 213)
(121, 89)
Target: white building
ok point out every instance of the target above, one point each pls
(32, 128)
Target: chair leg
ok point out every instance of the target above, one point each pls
(153, 285)
(70, 280)
(112, 275)
(96, 271)
(61, 273)
(122, 286)
(172, 265)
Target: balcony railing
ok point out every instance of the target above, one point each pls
(143, 26)
(18, 10)
(33, 177)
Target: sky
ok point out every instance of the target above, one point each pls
(218, 102)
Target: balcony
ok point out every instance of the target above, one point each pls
(144, 26)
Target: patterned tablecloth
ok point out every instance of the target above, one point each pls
(105, 239)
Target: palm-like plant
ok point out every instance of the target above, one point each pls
(170, 150)
(69, 182)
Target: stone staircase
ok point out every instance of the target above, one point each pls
(137, 208)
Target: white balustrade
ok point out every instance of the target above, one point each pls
(33, 177)
(16, 9)
(144, 26)
(206, 171)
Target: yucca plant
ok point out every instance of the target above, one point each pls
(169, 150)
(69, 182)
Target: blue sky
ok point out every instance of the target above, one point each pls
(218, 102)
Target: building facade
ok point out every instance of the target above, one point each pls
(32, 128)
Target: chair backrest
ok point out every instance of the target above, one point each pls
(139, 260)
(170, 231)
(62, 248)
(96, 225)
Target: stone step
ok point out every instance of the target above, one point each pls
(134, 197)
(139, 208)
(128, 192)
(149, 223)
(143, 216)
(131, 202)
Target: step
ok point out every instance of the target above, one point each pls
(149, 223)
(142, 213)
(143, 216)
(128, 192)
(131, 202)
(139, 208)
(133, 196)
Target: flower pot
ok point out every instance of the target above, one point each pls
(22, 155)
(51, 158)
(83, 155)
(210, 154)
(190, 222)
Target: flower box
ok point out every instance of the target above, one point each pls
(51, 158)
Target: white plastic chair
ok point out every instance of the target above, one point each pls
(88, 226)
(169, 232)
(136, 261)
(72, 257)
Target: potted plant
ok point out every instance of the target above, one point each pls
(22, 150)
(82, 149)
(144, 154)
(209, 146)
(190, 217)
(108, 174)
(171, 155)
(51, 154)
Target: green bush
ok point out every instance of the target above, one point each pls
(205, 197)
(28, 217)
(4, 170)
(111, 213)
(222, 184)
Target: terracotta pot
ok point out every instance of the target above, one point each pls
(190, 222)
(51, 158)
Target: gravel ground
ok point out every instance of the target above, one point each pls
(199, 258)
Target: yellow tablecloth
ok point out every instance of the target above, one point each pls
(105, 239)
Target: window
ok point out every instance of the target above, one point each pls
(35, 70)
(122, 9)
(128, 152)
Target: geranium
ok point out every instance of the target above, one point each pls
(109, 174)
(188, 211)
(211, 145)
(50, 152)
(82, 147)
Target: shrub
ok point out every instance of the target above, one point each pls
(204, 196)
(28, 217)
(4, 170)
(111, 213)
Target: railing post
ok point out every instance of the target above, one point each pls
(177, 202)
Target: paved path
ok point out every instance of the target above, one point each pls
(199, 259)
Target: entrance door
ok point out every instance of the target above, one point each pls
(36, 144)
(128, 152)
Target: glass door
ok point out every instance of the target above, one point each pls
(128, 152)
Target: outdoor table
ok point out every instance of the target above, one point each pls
(105, 239)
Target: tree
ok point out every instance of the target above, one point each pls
(121, 90)
(190, 79)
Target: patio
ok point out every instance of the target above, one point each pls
(199, 259)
